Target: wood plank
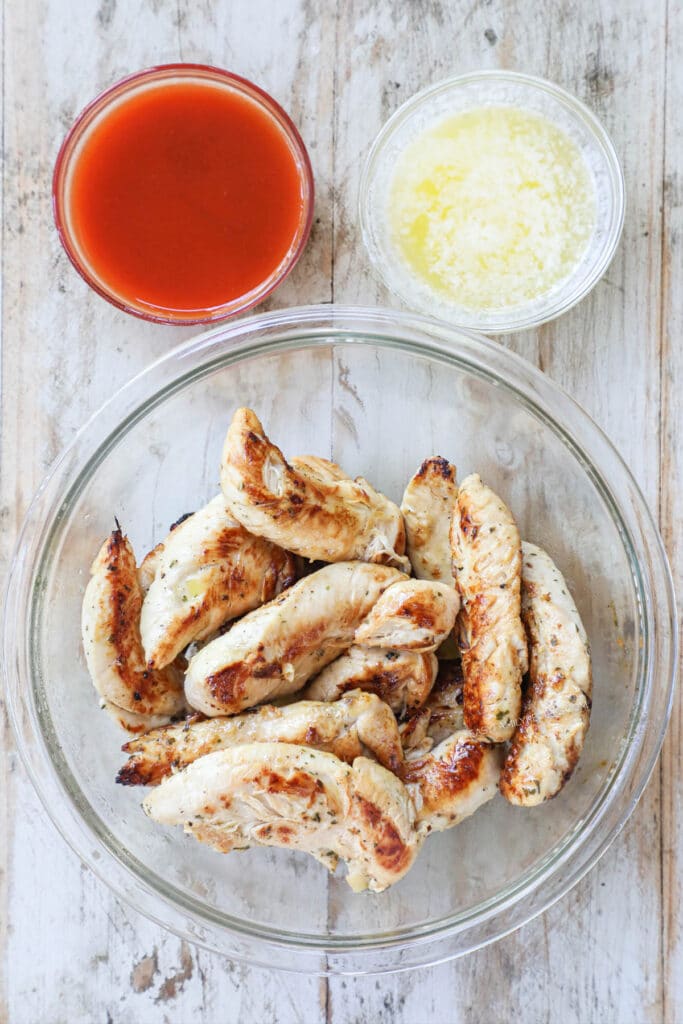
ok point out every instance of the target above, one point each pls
(601, 944)
(670, 508)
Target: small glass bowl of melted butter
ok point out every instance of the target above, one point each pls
(493, 200)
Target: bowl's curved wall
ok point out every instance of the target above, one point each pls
(408, 390)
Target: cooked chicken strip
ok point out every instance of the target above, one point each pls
(278, 794)
(147, 568)
(359, 724)
(427, 507)
(277, 648)
(413, 615)
(208, 570)
(449, 770)
(487, 564)
(401, 678)
(132, 722)
(447, 689)
(310, 506)
(445, 702)
(110, 627)
(453, 780)
(441, 715)
(414, 732)
(556, 713)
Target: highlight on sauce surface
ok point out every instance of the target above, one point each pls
(186, 195)
(492, 207)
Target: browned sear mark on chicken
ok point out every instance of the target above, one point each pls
(390, 850)
(449, 775)
(438, 464)
(449, 679)
(419, 610)
(468, 527)
(299, 784)
(228, 685)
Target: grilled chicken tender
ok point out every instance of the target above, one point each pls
(453, 780)
(309, 506)
(110, 625)
(359, 724)
(403, 679)
(445, 702)
(132, 722)
(147, 568)
(487, 565)
(277, 648)
(277, 794)
(449, 770)
(440, 716)
(208, 570)
(413, 615)
(427, 507)
(556, 712)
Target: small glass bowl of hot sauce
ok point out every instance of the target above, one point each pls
(183, 194)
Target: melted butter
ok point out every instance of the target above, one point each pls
(196, 586)
(491, 208)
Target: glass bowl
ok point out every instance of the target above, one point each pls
(377, 391)
(168, 75)
(465, 92)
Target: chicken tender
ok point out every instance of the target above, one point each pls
(133, 723)
(310, 507)
(208, 570)
(445, 702)
(427, 507)
(452, 781)
(487, 560)
(277, 648)
(413, 615)
(441, 715)
(110, 625)
(359, 724)
(280, 794)
(401, 678)
(556, 713)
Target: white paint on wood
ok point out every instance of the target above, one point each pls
(671, 512)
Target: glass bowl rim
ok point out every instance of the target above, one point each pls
(563, 301)
(387, 951)
(98, 107)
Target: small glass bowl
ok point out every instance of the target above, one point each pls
(99, 108)
(376, 391)
(466, 92)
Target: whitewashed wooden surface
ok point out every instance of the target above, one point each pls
(612, 951)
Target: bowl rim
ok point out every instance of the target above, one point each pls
(517, 319)
(98, 108)
(388, 951)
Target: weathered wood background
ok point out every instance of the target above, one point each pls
(612, 951)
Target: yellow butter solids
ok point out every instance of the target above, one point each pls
(491, 207)
(195, 586)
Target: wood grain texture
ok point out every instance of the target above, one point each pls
(612, 950)
(671, 510)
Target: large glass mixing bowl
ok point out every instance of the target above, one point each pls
(377, 391)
